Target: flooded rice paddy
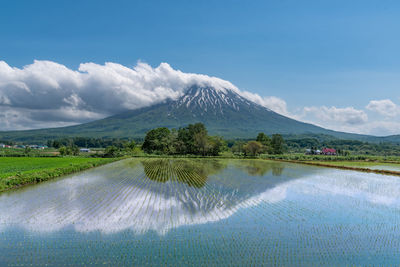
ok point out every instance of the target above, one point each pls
(204, 212)
(387, 167)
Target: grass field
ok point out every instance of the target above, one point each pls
(12, 166)
(19, 171)
(362, 164)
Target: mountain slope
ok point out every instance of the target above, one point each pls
(224, 112)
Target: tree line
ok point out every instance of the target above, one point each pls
(343, 147)
(262, 145)
(88, 142)
(194, 140)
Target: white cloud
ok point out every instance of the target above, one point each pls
(381, 127)
(272, 102)
(21, 119)
(348, 115)
(276, 104)
(349, 119)
(48, 94)
(384, 107)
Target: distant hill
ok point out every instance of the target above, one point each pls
(223, 111)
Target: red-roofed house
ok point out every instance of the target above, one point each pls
(329, 151)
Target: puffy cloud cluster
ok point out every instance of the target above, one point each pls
(380, 117)
(381, 127)
(348, 115)
(385, 107)
(46, 93)
(272, 102)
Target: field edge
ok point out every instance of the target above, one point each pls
(24, 179)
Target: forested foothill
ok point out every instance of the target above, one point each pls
(195, 140)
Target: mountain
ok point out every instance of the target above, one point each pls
(223, 111)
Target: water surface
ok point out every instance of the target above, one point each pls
(387, 167)
(204, 212)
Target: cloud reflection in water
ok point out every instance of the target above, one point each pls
(159, 195)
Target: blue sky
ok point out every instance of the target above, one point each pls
(318, 55)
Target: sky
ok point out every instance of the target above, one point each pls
(332, 63)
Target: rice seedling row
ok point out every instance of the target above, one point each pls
(88, 194)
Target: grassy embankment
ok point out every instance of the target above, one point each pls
(19, 171)
(377, 164)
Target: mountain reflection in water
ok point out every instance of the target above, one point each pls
(161, 194)
(142, 195)
(203, 212)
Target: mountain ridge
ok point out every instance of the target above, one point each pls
(223, 111)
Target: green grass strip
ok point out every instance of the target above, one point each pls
(38, 175)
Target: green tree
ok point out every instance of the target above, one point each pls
(130, 145)
(238, 147)
(63, 151)
(74, 150)
(253, 148)
(201, 143)
(157, 140)
(180, 147)
(27, 150)
(277, 143)
(216, 145)
(187, 137)
(265, 141)
(56, 144)
(111, 152)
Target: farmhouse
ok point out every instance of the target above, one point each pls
(313, 152)
(329, 151)
(85, 150)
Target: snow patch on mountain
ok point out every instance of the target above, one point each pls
(213, 99)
